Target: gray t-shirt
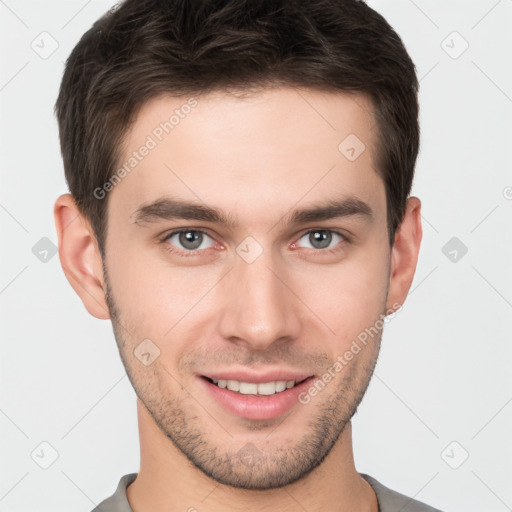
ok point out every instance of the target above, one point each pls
(389, 501)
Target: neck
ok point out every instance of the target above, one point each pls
(167, 480)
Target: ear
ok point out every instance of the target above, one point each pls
(404, 254)
(80, 256)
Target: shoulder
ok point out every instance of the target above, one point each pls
(118, 502)
(392, 501)
(389, 500)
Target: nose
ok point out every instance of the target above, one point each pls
(259, 307)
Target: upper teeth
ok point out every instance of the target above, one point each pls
(251, 388)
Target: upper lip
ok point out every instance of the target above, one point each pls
(257, 378)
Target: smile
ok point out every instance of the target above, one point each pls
(273, 395)
(253, 388)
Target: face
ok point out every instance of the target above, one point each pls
(246, 251)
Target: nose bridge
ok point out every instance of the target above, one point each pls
(259, 309)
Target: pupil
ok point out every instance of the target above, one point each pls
(322, 239)
(190, 239)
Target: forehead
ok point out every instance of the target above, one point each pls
(254, 156)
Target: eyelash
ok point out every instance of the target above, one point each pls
(188, 254)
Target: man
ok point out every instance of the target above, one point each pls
(240, 175)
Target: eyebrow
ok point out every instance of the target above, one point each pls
(165, 209)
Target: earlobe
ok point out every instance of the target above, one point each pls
(404, 254)
(79, 256)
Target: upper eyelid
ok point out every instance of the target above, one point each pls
(346, 238)
(166, 236)
(297, 237)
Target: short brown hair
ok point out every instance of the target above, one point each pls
(143, 48)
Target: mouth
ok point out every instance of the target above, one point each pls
(254, 388)
(272, 396)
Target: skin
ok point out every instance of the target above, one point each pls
(296, 306)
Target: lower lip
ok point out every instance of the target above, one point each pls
(257, 407)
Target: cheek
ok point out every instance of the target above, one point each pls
(349, 297)
(155, 299)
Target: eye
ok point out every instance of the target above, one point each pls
(189, 240)
(322, 239)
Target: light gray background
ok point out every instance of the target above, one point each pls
(444, 370)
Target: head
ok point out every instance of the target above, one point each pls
(240, 177)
